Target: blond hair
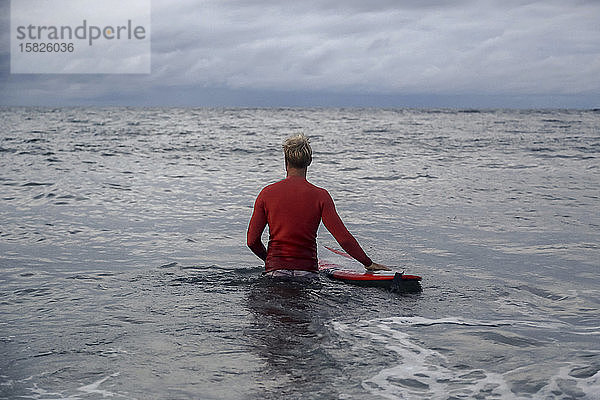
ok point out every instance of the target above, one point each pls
(297, 151)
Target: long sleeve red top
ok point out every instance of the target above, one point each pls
(293, 209)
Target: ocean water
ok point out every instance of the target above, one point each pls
(124, 271)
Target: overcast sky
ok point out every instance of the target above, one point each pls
(418, 53)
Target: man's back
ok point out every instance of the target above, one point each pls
(293, 209)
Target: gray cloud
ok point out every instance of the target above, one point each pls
(484, 47)
(426, 48)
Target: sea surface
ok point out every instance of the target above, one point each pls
(124, 271)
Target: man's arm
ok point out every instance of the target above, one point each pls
(255, 230)
(334, 224)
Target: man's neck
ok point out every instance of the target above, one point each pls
(296, 172)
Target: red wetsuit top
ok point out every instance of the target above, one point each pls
(293, 208)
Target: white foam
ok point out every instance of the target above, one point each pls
(421, 321)
(95, 387)
(551, 325)
(91, 389)
(588, 388)
(40, 393)
(426, 374)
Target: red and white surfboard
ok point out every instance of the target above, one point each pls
(387, 279)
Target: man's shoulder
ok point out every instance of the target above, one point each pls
(318, 188)
(273, 185)
(282, 185)
(270, 188)
(319, 193)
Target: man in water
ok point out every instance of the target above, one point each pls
(293, 209)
